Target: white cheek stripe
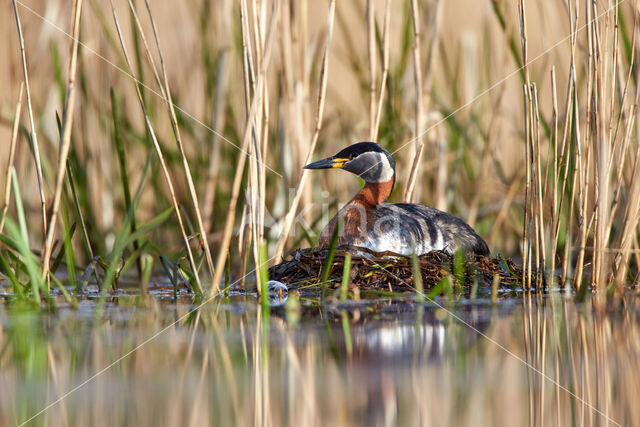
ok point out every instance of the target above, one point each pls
(388, 171)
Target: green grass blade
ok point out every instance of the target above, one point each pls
(135, 257)
(154, 223)
(326, 270)
(191, 278)
(21, 236)
(263, 269)
(346, 330)
(346, 278)
(67, 246)
(147, 269)
(122, 161)
(31, 263)
(19, 206)
(76, 202)
(417, 277)
(169, 269)
(13, 279)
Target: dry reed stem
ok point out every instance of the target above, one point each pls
(409, 195)
(157, 147)
(371, 45)
(176, 131)
(585, 167)
(288, 220)
(526, 239)
(602, 155)
(385, 68)
(261, 143)
(571, 122)
(583, 185)
(257, 33)
(247, 61)
(541, 260)
(65, 137)
(528, 209)
(217, 121)
(631, 219)
(32, 127)
(257, 175)
(423, 100)
(262, 205)
(555, 211)
(249, 79)
(12, 154)
(254, 144)
(254, 150)
(564, 150)
(237, 180)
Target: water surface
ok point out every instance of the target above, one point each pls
(542, 360)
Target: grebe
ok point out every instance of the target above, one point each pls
(399, 228)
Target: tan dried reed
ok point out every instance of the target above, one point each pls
(32, 127)
(12, 155)
(65, 138)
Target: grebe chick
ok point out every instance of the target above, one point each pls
(400, 228)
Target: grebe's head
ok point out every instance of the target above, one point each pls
(368, 160)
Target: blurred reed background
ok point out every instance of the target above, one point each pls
(169, 121)
(519, 117)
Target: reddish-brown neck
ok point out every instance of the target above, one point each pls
(374, 193)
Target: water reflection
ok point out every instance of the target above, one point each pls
(398, 343)
(543, 361)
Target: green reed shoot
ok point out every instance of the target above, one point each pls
(18, 239)
(171, 271)
(444, 287)
(124, 178)
(417, 278)
(263, 270)
(346, 330)
(326, 269)
(346, 277)
(147, 269)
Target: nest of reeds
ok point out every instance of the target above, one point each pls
(304, 269)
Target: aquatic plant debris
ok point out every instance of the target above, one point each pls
(302, 269)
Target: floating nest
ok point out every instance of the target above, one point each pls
(303, 269)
